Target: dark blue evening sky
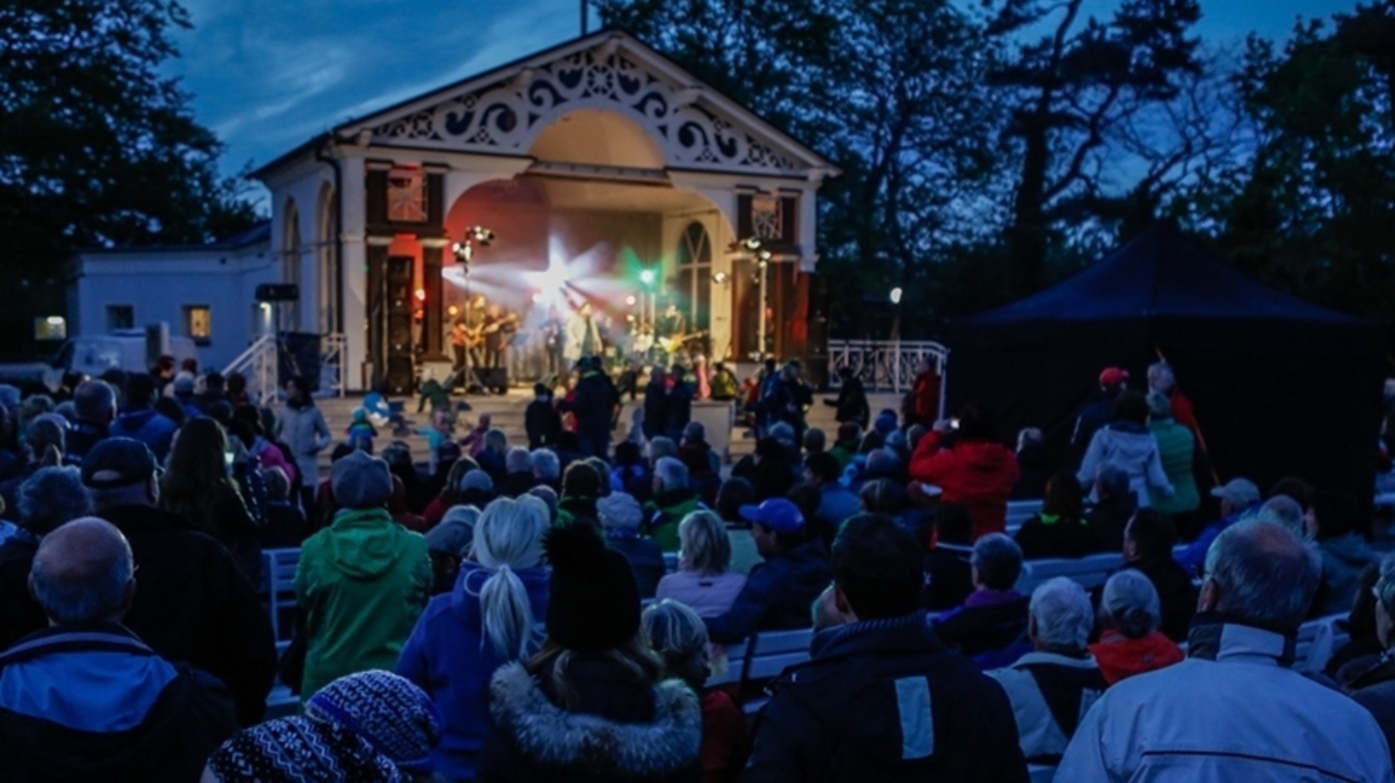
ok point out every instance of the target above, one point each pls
(268, 74)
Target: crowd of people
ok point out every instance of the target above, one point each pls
(552, 611)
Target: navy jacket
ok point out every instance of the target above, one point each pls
(146, 426)
(646, 559)
(777, 596)
(885, 700)
(98, 704)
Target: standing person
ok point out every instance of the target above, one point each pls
(460, 344)
(87, 699)
(655, 404)
(138, 419)
(363, 581)
(195, 604)
(787, 399)
(851, 405)
(1127, 444)
(1162, 381)
(592, 705)
(1177, 450)
(1234, 710)
(487, 619)
(1113, 381)
(303, 428)
(554, 340)
(583, 337)
(678, 407)
(95, 403)
(541, 420)
(922, 403)
(202, 487)
(882, 698)
(594, 407)
(975, 470)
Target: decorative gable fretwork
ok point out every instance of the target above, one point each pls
(505, 117)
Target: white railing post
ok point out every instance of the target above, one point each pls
(885, 365)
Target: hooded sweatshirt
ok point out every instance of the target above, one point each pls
(1131, 448)
(362, 582)
(978, 474)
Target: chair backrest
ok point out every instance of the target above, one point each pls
(281, 569)
(1090, 571)
(670, 562)
(1019, 511)
(1317, 640)
(772, 651)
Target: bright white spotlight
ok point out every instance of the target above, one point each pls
(630, 300)
(537, 297)
(646, 276)
(896, 295)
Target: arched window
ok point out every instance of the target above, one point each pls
(694, 291)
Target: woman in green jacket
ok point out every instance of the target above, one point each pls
(1177, 449)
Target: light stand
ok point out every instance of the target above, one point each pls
(465, 251)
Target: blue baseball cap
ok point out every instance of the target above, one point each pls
(776, 514)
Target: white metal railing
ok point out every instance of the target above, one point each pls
(885, 365)
(258, 365)
(332, 347)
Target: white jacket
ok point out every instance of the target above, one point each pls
(1238, 718)
(1135, 453)
(1038, 732)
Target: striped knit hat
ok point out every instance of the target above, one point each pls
(394, 716)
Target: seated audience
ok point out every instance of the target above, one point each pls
(704, 581)
(991, 623)
(1239, 499)
(1331, 522)
(371, 726)
(85, 698)
(447, 544)
(877, 465)
(47, 499)
(138, 419)
(1373, 687)
(285, 522)
(592, 704)
(1059, 529)
(1113, 508)
(362, 582)
(547, 469)
(519, 477)
(620, 518)
(492, 458)
(95, 405)
(1148, 542)
(397, 508)
(704, 466)
(630, 473)
(731, 496)
(1034, 466)
(835, 502)
(673, 500)
(1234, 710)
(769, 469)
(882, 699)
(974, 470)
(678, 637)
(1130, 642)
(849, 436)
(778, 592)
(948, 575)
(548, 497)
(195, 605)
(1363, 645)
(44, 440)
(581, 488)
(487, 619)
(1052, 687)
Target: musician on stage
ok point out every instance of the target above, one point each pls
(474, 331)
(554, 338)
(498, 333)
(459, 343)
(671, 323)
(583, 335)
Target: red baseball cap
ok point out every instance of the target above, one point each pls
(1113, 376)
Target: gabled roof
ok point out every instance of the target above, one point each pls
(1159, 273)
(501, 111)
(257, 233)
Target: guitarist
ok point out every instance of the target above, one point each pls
(498, 332)
(671, 324)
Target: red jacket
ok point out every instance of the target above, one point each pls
(1182, 411)
(977, 474)
(1120, 658)
(723, 738)
(925, 397)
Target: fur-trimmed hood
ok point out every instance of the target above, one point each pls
(554, 737)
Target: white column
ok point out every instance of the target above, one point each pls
(355, 279)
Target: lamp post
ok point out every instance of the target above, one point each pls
(895, 297)
(647, 278)
(762, 264)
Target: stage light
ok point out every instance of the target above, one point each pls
(464, 251)
(647, 276)
(453, 310)
(751, 243)
(630, 300)
(421, 294)
(896, 295)
(537, 297)
(720, 278)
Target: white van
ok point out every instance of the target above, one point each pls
(127, 349)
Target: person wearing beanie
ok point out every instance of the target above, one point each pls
(487, 619)
(371, 727)
(592, 704)
(621, 516)
(448, 544)
(363, 581)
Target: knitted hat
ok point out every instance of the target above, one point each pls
(394, 716)
(594, 604)
(117, 462)
(361, 480)
(294, 750)
(455, 532)
(620, 510)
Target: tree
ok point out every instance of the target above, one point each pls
(1312, 208)
(1071, 91)
(97, 147)
(889, 89)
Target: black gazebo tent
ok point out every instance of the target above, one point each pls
(1280, 387)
